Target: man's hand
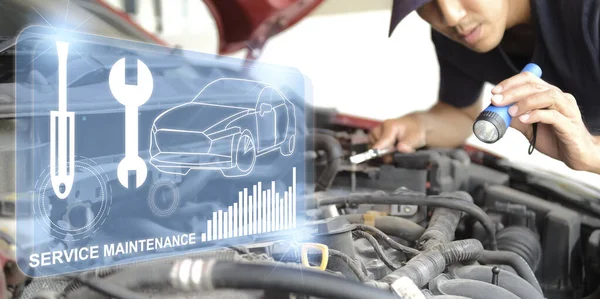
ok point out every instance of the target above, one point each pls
(405, 134)
(442, 126)
(561, 133)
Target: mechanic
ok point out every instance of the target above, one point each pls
(480, 41)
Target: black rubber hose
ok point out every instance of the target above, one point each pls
(110, 289)
(99, 273)
(506, 279)
(137, 276)
(420, 199)
(394, 226)
(474, 289)
(443, 223)
(130, 279)
(594, 295)
(419, 269)
(208, 275)
(515, 261)
(378, 250)
(232, 275)
(352, 264)
(387, 239)
(441, 228)
(426, 266)
(469, 250)
(335, 154)
(522, 241)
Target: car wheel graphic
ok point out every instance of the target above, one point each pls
(287, 148)
(243, 157)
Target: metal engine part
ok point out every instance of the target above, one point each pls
(491, 238)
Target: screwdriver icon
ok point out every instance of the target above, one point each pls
(62, 147)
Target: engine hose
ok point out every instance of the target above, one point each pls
(378, 250)
(394, 226)
(334, 152)
(208, 275)
(429, 295)
(412, 198)
(469, 250)
(443, 223)
(522, 241)
(513, 260)
(130, 279)
(428, 265)
(472, 289)
(594, 295)
(134, 276)
(109, 289)
(387, 239)
(506, 280)
(76, 283)
(441, 228)
(419, 269)
(352, 264)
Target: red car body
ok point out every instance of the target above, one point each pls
(250, 23)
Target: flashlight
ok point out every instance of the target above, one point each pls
(492, 123)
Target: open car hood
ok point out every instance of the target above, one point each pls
(250, 23)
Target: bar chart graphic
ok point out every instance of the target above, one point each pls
(260, 209)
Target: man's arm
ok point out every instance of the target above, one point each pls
(596, 163)
(449, 126)
(450, 121)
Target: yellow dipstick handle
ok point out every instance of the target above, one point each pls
(324, 255)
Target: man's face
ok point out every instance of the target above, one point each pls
(477, 24)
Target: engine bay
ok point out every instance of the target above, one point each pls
(452, 223)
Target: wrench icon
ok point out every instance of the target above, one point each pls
(132, 97)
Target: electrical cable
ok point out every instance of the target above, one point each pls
(390, 225)
(387, 239)
(411, 198)
(378, 250)
(352, 264)
(429, 264)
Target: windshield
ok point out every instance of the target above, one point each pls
(197, 116)
(78, 15)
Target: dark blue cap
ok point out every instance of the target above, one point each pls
(401, 9)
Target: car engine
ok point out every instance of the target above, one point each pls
(452, 223)
(437, 223)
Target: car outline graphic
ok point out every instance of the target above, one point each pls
(234, 139)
